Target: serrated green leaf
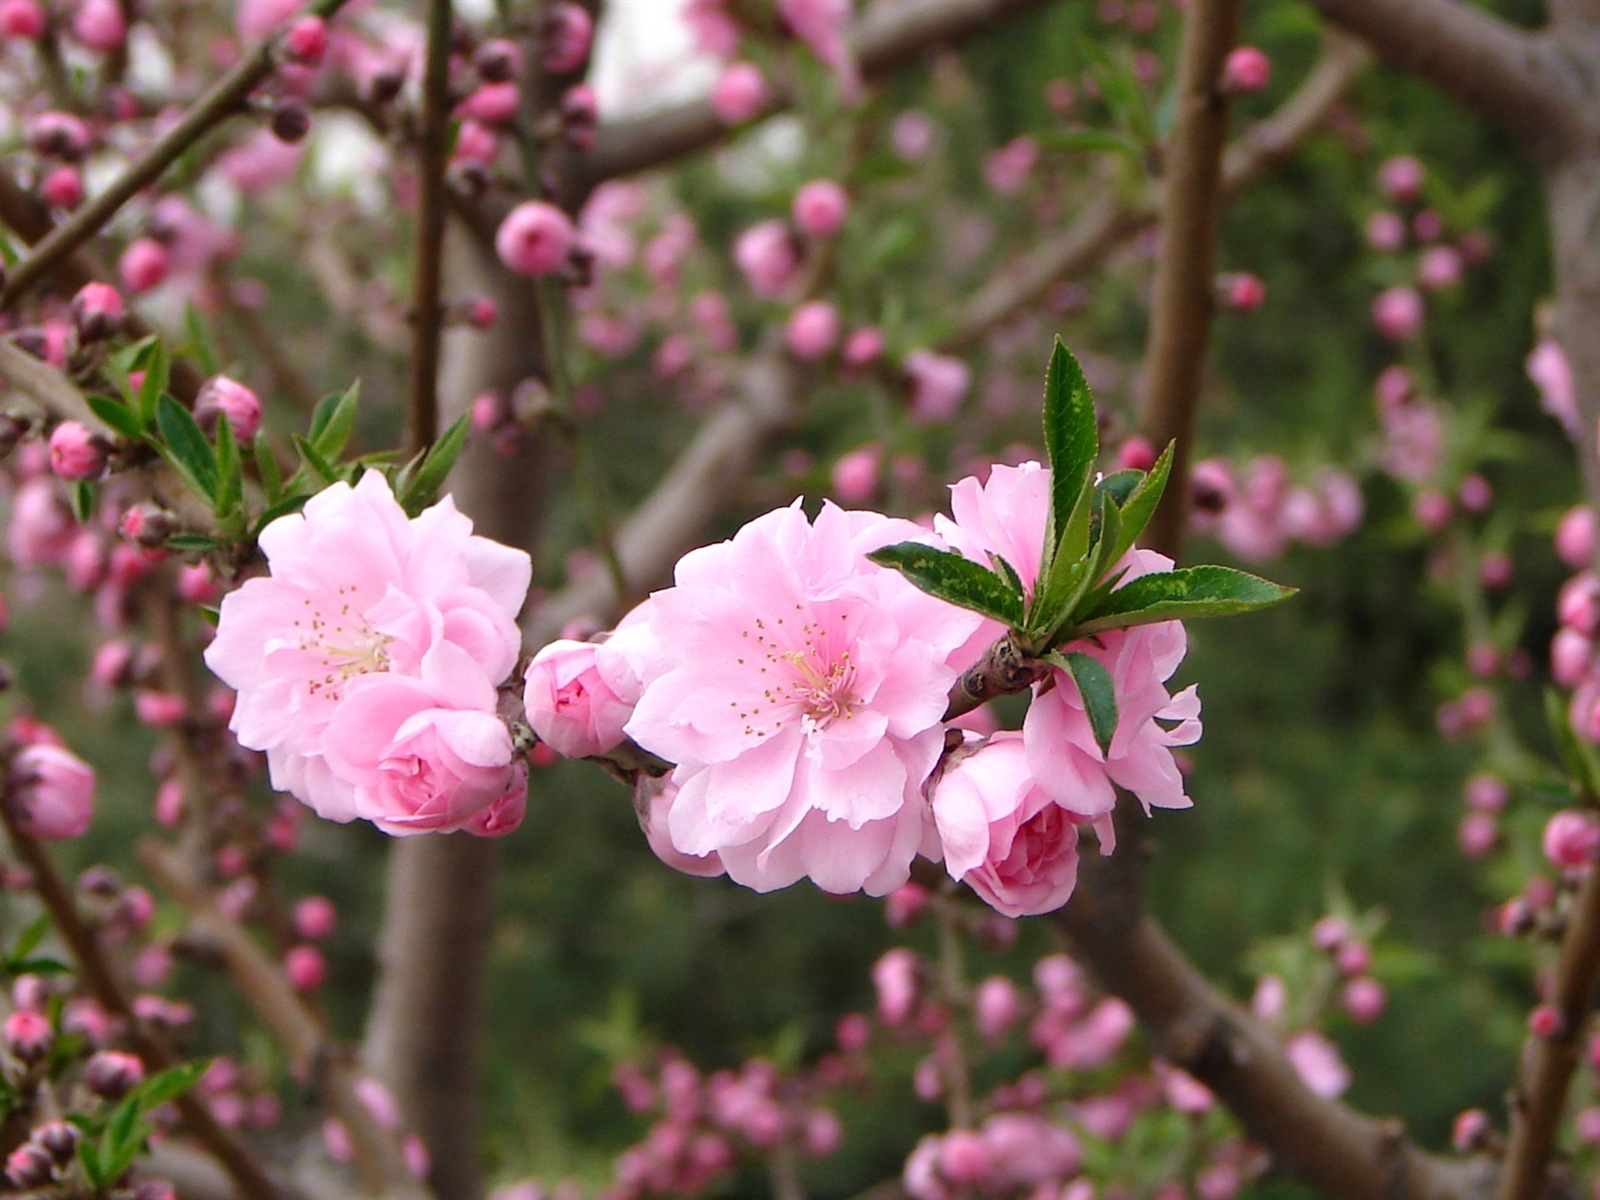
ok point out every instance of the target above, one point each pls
(84, 495)
(1064, 572)
(116, 415)
(1206, 591)
(1577, 756)
(319, 467)
(1141, 504)
(333, 420)
(230, 469)
(168, 1085)
(186, 448)
(423, 487)
(1097, 691)
(1119, 485)
(1007, 572)
(1071, 438)
(267, 468)
(958, 580)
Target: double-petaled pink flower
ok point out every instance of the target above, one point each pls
(800, 689)
(408, 624)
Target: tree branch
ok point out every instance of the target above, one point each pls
(1521, 81)
(221, 101)
(886, 38)
(427, 311)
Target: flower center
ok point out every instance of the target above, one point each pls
(346, 644)
(822, 695)
(821, 683)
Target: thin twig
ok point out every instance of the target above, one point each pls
(427, 307)
(286, 1017)
(224, 99)
(151, 1046)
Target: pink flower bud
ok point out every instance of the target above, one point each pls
(498, 60)
(906, 903)
(1427, 225)
(1546, 1021)
(739, 94)
(1475, 493)
(157, 709)
(566, 35)
(1495, 570)
(1220, 1181)
(1244, 292)
(963, 1157)
(855, 475)
(28, 1036)
(820, 208)
(862, 348)
(1440, 268)
(812, 330)
(895, 977)
(1364, 999)
(1578, 604)
(1570, 657)
(535, 239)
(59, 135)
(1008, 168)
(938, 385)
(307, 40)
(197, 585)
(54, 790)
(1353, 958)
(995, 1007)
(98, 311)
(1330, 933)
(1397, 312)
(769, 258)
(112, 1074)
(1402, 177)
(62, 187)
(476, 143)
(58, 1139)
(822, 1133)
(571, 697)
(481, 312)
(1587, 1126)
(1486, 793)
(29, 1167)
(1386, 231)
(1136, 454)
(852, 1033)
(143, 265)
(21, 20)
(1477, 834)
(1470, 1129)
(314, 918)
(305, 967)
(1431, 508)
(99, 25)
(1246, 70)
(1575, 537)
(169, 804)
(579, 110)
(1571, 839)
(491, 103)
(77, 452)
(221, 396)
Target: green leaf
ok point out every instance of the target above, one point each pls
(168, 1085)
(200, 345)
(230, 468)
(89, 1158)
(333, 420)
(1119, 485)
(39, 965)
(423, 487)
(83, 495)
(1007, 572)
(1578, 756)
(190, 543)
(1099, 694)
(1070, 437)
(319, 466)
(282, 508)
(1208, 591)
(267, 467)
(28, 940)
(186, 448)
(157, 368)
(1064, 572)
(1092, 141)
(117, 415)
(1141, 503)
(958, 580)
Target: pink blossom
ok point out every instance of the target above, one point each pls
(566, 34)
(305, 967)
(1026, 1149)
(1402, 177)
(769, 258)
(254, 19)
(939, 383)
(1398, 312)
(1575, 537)
(855, 475)
(1316, 1060)
(314, 918)
(1244, 292)
(569, 701)
(739, 94)
(995, 1007)
(21, 20)
(800, 689)
(54, 791)
(715, 32)
(1245, 70)
(1413, 441)
(99, 25)
(1386, 231)
(62, 187)
(812, 330)
(652, 800)
(1571, 839)
(76, 451)
(895, 978)
(1006, 515)
(307, 40)
(914, 135)
(1002, 834)
(536, 238)
(1547, 366)
(821, 25)
(820, 208)
(1008, 168)
(863, 348)
(223, 397)
(98, 310)
(490, 103)
(358, 592)
(143, 265)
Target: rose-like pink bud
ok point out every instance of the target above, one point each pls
(223, 397)
(99, 25)
(1570, 657)
(739, 94)
(1495, 570)
(497, 60)
(995, 1007)
(306, 968)
(1470, 1130)
(29, 1167)
(820, 208)
(862, 348)
(1571, 839)
(905, 904)
(1353, 957)
(307, 40)
(54, 791)
(58, 1139)
(28, 1036)
(62, 187)
(895, 977)
(1244, 292)
(1364, 999)
(963, 1157)
(1386, 231)
(143, 265)
(812, 330)
(21, 20)
(1397, 312)
(535, 239)
(481, 312)
(1546, 1021)
(855, 475)
(59, 135)
(158, 709)
(1402, 177)
(315, 918)
(579, 110)
(1245, 70)
(1477, 834)
(938, 385)
(571, 696)
(1578, 603)
(769, 257)
(98, 311)
(1329, 933)
(492, 103)
(1431, 508)
(1475, 493)
(1440, 268)
(1575, 537)
(112, 1074)
(565, 35)
(77, 452)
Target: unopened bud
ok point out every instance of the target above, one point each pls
(221, 396)
(147, 525)
(112, 1074)
(77, 452)
(580, 117)
(28, 1036)
(497, 60)
(291, 119)
(29, 1167)
(98, 311)
(307, 40)
(58, 1139)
